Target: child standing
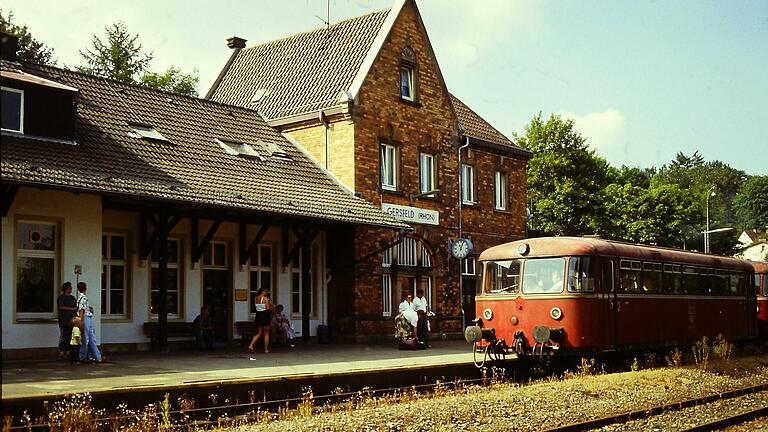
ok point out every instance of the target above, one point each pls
(74, 342)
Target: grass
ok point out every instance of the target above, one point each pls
(77, 412)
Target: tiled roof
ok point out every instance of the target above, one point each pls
(307, 72)
(191, 167)
(476, 127)
(302, 73)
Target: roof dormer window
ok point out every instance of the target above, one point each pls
(274, 150)
(145, 132)
(237, 148)
(13, 110)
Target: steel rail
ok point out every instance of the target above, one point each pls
(656, 410)
(730, 421)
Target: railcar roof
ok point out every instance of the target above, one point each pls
(566, 246)
(759, 266)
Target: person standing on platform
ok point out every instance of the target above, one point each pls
(406, 304)
(67, 304)
(89, 350)
(263, 307)
(422, 326)
(74, 340)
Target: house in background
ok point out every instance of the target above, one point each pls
(753, 245)
(366, 97)
(161, 203)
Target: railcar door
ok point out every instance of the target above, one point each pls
(609, 303)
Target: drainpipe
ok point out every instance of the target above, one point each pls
(321, 117)
(461, 281)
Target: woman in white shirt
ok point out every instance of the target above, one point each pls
(263, 307)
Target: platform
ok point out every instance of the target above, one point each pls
(156, 372)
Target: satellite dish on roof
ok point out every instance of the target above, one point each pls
(259, 96)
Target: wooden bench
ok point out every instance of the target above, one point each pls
(247, 329)
(175, 329)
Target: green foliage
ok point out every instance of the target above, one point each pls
(565, 177)
(694, 175)
(30, 49)
(752, 203)
(173, 80)
(656, 215)
(636, 176)
(119, 57)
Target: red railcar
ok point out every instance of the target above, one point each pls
(581, 296)
(761, 289)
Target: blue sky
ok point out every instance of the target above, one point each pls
(643, 80)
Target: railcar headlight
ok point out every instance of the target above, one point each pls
(488, 314)
(556, 313)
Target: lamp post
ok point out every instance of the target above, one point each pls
(710, 192)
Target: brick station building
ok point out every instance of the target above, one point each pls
(367, 99)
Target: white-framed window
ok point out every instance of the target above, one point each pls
(426, 284)
(13, 109)
(173, 287)
(406, 83)
(386, 260)
(469, 266)
(215, 255)
(426, 172)
(501, 190)
(388, 167)
(261, 273)
(426, 257)
(467, 184)
(37, 268)
(114, 275)
(406, 252)
(386, 294)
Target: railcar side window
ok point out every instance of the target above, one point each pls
(722, 285)
(544, 275)
(652, 277)
(737, 283)
(672, 278)
(765, 284)
(581, 274)
(630, 275)
(756, 283)
(503, 277)
(690, 279)
(708, 281)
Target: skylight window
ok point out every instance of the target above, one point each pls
(146, 132)
(237, 148)
(274, 150)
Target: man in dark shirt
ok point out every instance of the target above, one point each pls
(67, 305)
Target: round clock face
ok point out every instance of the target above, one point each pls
(461, 248)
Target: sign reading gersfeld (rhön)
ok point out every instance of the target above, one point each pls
(412, 214)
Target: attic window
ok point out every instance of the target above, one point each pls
(274, 150)
(13, 110)
(237, 148)
(145, 132)
(406, 82)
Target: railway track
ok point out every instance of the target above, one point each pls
(640, 414)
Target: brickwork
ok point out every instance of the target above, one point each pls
(427, 125)
(339, 150)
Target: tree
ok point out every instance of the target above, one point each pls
(172, 80)
(657, 215)
(29, 48)
(565, 178)
(751, 203)
(698, 178)
(120, 57)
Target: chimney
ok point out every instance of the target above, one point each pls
(236, 42)
(10, 45)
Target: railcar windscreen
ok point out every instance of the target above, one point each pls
(543, 275)
(503, 276)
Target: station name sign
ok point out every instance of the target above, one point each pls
(412, 214)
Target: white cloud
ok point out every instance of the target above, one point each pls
(605, 132)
